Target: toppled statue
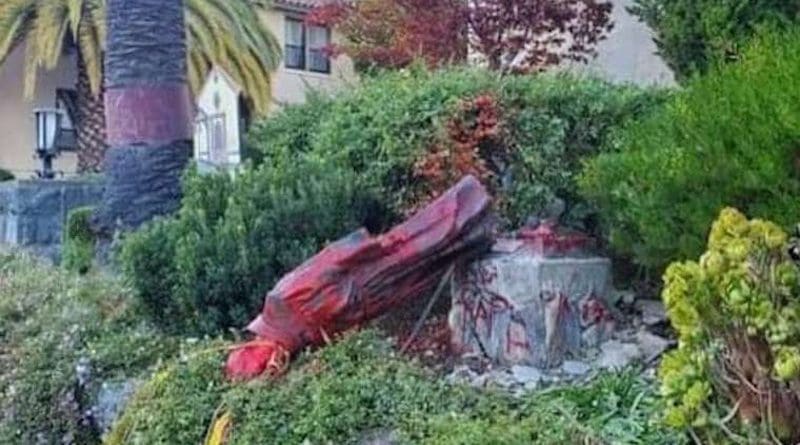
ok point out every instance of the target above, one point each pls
(361, 277)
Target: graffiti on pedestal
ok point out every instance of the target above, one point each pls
(523, 308)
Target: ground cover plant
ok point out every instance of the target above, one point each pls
(728, 139)
(358, 386)
(52, 323)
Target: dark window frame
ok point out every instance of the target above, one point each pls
(302, 47)
(326, 69)
(305, 51)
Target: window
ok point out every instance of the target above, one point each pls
(295, 44)
(306, 46)
(318, 40)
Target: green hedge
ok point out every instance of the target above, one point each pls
(381, 128)
(730, 139)
(208, 268)
(693, 35)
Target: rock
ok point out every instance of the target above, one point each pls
(460, 375)
(651, 345)
(576, 368)
(83, 371)
(615, 355)
(653, 312)
(111, 400)
(627, 298)
(533, 385)
(379, 437)
(596, 334)
(480, 381)
(526, 374)
(502, 379)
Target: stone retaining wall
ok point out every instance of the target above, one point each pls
(33, 212)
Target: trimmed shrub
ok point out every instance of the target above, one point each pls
(730, 139)
(409, 132)
(50, 322)
(208, 269)
(693, 35)
(77, 254)
(357, 386)
(737, 315)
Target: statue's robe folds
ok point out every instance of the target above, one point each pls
(361, 277)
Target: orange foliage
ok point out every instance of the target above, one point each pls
(474, 138)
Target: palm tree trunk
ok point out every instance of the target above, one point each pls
(90, 125)
(148, 118)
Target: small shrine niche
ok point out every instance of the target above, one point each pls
(218, 123)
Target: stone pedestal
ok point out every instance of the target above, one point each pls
(518, 306)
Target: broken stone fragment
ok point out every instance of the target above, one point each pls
(653, 312)
(576, 368)
(651, 345)
(615, 355)
(526, 374)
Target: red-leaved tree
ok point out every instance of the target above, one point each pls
(505, 35)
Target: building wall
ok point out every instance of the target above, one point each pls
(17, 124)
(629, 53)
(291, 86)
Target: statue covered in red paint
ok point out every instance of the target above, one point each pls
(361, 277)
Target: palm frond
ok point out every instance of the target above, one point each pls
(45, 42)
(74, 15)
(228, 33)
(91, 50)
(15, 19)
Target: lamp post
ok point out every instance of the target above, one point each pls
(48, 124)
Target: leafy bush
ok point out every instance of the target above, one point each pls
(357, 386)
(51, 321)
(209, 268)
(737, 314)
(390, 125)
(78, 245)
(729, 140)
(693, 35)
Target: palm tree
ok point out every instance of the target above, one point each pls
(224, 32)
(148, 113)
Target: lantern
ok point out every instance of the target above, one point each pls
(48, 125)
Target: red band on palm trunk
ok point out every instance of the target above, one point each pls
(152, 118)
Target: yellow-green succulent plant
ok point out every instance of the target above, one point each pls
(737, 315)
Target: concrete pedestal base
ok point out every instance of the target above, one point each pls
(522, 308)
